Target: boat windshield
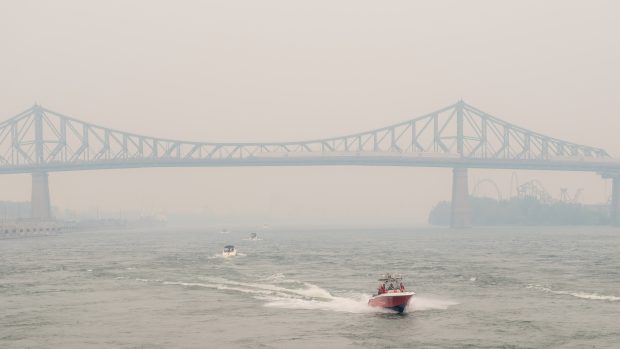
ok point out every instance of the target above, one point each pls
(391, 282)
(229, 248)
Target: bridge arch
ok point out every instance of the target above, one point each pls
(459, 136)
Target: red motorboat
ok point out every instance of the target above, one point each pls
(391, 294)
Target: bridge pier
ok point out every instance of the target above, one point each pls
(615, 201)
(40, 199)
(460, 213)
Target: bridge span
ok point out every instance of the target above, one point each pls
(460, 136)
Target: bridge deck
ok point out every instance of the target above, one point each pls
(590, 165)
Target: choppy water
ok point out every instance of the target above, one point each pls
(302, 288)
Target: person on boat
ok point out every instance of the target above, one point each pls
(391, 286)
(381, 289)
(402, 287)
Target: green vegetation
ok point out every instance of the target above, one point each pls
(524, 211)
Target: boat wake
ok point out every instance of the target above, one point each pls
(220, 256)
(431, 303)
(582, 295)
(278, 292)
(356, 304)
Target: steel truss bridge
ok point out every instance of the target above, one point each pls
(460, 136)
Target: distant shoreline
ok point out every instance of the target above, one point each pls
(524, 212)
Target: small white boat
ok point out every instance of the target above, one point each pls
(253, 236)
(229, 251)
(224, 231)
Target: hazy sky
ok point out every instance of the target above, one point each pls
(290, 70)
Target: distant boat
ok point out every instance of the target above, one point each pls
(229, 251)
(253, 236)
(224, 231)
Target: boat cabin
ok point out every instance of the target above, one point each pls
(391, 284)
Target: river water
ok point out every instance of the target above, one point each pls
(308, 288)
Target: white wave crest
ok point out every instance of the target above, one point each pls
(431, 303)
(280, 278)
(309, 290)
(219, 255)
(274, 277)
(308, 297)
(356, 305)
(225, 287)
(582, 295)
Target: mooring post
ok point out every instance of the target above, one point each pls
(460, 214)
(40, 199)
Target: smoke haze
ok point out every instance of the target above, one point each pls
(236, 71)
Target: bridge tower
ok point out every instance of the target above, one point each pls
(615, 201)
(460, 213)
(40, 199)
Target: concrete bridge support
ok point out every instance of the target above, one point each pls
(615, 201)
(460, 213)
(40, 200)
